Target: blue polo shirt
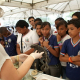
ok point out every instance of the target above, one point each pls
(10, 44)
(53, 43)
(72, 70)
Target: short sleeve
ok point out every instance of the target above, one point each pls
(14, 39)
(3, 56)
(35, 37)
(55, 42)
(19, 38)
(64, 48)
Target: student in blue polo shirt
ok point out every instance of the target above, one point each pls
(70, 52)
(10, 41)
(49, 42)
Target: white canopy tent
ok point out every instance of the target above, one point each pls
(38, 7)
(22, 9)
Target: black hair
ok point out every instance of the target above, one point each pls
(21, 24)
(75, 22)
(30, 18)
(39, 23)
(62, 22)
(76, 14)
(44, 24)
(59, 19)
(3, 30)
(37, 19)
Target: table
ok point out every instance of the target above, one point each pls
(39, 76)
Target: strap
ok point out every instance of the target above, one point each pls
(21, 45)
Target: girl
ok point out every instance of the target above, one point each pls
(70, 51)
(38, 29)
(61, 37)
(50, 43)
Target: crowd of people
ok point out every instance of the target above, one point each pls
(62, 46)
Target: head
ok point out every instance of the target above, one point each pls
(62, 28)
(1, 39)
(37, 20)
(58, 20)
(76, 15)
(21, 26)
(73, 27)
(31, 20)
(45, 29)
(38, 28)
(4, 32)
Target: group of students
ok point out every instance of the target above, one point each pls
(62, 49)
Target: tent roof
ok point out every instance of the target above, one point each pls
(27, 8)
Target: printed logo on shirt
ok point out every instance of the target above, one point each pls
(72, 65)
(9, 40)
(6, 42)
(27, 40)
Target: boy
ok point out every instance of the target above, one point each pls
(10, 41)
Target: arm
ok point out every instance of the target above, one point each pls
(18, 49)
(8, 71)
(59, 39)
(29, 51)
(55, 51)
(76, 60)
(19, 58)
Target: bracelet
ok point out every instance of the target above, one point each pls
(17, 58)
(59, 42)
(48, 47)
(70, 60)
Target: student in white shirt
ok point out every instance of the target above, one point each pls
(61, 37)
(25, 38)
(7, 69)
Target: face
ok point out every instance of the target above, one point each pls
(62, 30)
(38, 30)
(74, 17)
(46, 30)
(21, 30)
(31, 21)
(73, 31)
(5, 34)
(36, 22)
(56, 22)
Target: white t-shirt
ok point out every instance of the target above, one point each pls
(63, 39)
(55, 33)
(51, 31)
(30, 38)
(3, 56)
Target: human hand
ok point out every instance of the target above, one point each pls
(66, 55)
(76, 58)
(36, 55)
(22, 57)
(58, 38)
(41, 40)
(45, 44)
